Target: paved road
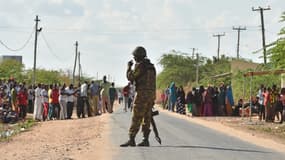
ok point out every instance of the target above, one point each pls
(182, 139)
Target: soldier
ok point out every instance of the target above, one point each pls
(144, 78)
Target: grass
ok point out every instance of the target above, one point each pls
(15, 128)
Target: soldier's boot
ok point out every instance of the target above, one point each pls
(145, 142)
(131, 142)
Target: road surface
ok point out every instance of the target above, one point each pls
(182, 139)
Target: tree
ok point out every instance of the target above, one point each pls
(11, 68)
(44, 76)
(277, 52)
(177, 67)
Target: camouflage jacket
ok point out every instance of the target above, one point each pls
(143, 76)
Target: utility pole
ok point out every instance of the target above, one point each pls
(219, 37)
(193, 52)
(263, 30)
(35, 48)
(238, 29)
(74, 68)
(197, 69)
(79, 67)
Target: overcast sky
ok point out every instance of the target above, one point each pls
(108, 30)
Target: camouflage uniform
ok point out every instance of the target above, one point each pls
(144, 78)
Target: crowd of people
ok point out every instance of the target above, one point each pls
(210, 101)
(270, 103)
(218, 101)
(57, 102)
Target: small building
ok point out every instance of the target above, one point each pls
(11, 57)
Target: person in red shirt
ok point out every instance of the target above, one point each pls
(22, 99)
(55, 101)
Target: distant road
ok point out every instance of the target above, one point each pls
(183, 140)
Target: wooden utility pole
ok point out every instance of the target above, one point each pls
(263, 30)
(197, 69)
(74, 68)
(193, 52)
(238, 29)
(35, 48)
(79, 67)
(219, 37)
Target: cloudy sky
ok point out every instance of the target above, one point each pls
(108, 30)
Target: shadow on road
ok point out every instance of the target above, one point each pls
(213, 148)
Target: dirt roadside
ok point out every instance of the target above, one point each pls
(239, 128)
(67, 139)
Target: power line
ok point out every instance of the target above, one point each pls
(145, 31)
(21, 48)
(49, 47)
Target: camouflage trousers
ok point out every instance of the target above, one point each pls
(142, 109)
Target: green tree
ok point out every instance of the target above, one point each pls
(277, 52)
(11, 68)
(213, 68)
(177, 67)
(44, 76)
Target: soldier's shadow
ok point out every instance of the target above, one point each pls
(212, 148)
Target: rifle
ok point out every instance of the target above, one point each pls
(157, 138)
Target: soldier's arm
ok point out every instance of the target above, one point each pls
(132, 75)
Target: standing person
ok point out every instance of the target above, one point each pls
(30, 99)
(22, 99)
(201, 100)
(190, 101)
(38, 108)
(282, 99)
(275, 102)
(166, 93)
(180, 101)
(126, 90)
(94, 95)
(55, 101)
(14, 98)
(208, 101)
(50, 106)
(62, 102)
(229, 100)
(172, 100)
(113, 95)
(168, 97)
(105, 85)
(144, 78)
(70, 100)
(85, 102)
(120, 96)
(79, 108)
(222, 100)
(261, 111)
(267, 103)
(44, 99)
(215, 101)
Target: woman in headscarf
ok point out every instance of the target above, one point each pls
(208, 101)
(180, 101)
(229, 100)
(172, 91)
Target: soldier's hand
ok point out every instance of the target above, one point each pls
(130, 63)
